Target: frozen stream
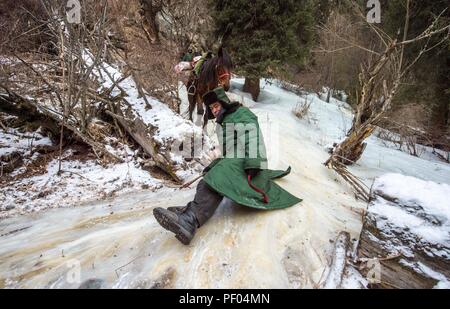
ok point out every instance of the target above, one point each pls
(119, 243)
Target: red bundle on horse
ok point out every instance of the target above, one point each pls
(214, 72)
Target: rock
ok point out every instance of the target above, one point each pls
(92, 284)
(9, 207)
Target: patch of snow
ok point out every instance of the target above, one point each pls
(433, 197)
(171, 128)
(426, 210)
(413, 214)
(353, 279)
(15, 141)
(79, 182)
(443, 283)
(7, 61)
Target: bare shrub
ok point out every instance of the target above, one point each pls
(62, 89)
(310, 80)
(187, 23)
(16, 24)
(380, 77)
(334, 61)
(302, 109)
(389, 138)
(151, 55)
(406, 128)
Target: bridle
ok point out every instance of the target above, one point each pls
(222, 77)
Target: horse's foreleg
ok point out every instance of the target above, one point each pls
(191, 100)
(200, 109)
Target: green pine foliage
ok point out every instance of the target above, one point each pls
(265, 35)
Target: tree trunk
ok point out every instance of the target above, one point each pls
(252, 86)
(394, 274)
(29, 112)
(329, 95)
(15, 105)
(352, 148)
(149, 11)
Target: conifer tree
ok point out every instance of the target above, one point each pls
(264, 35)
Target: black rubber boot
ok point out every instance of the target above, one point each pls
(178, 209)
(184, 225)
(185, 220)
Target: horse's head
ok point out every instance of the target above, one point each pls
(223, 69)
(216, 72)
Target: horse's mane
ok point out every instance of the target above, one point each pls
(208, 71)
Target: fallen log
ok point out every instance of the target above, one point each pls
(141, 133)
(393, 272)
(339, 262)
(18, 106)
(31, 112)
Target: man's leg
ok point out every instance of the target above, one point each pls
(185, 221)
(205, 203)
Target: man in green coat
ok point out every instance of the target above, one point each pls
(189, 56)
(241, 174)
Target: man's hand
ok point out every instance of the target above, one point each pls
(253, 172)
(214, 154)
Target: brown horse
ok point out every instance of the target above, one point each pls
(214, 72)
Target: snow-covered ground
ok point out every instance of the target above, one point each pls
(80, 182)
(424, 208)
(119, 242)
(15, 141)
(413, 216)
(170, 127)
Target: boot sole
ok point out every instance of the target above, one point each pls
(168, 224)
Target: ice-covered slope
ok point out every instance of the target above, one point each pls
(119, 243)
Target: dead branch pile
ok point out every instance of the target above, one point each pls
(59, 88)
(379, 80)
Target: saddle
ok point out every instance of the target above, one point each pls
(197, 65)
